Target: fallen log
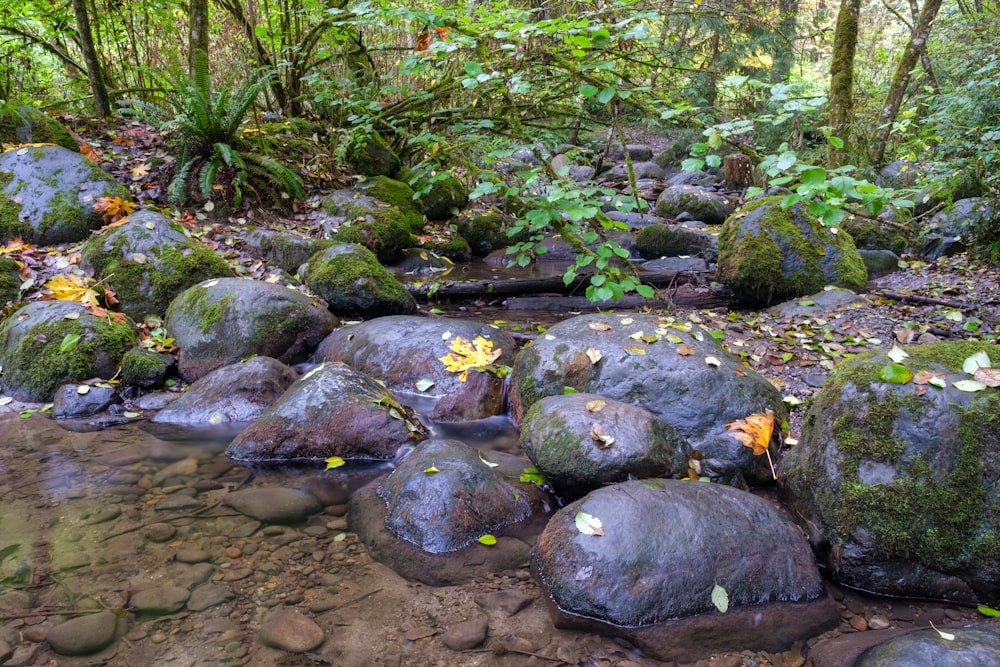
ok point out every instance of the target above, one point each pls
(686, 296)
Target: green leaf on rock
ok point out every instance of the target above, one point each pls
(334, 462)
(978, 360)
(423, 384)
(720, 598)
(896, 374)
(968, 385)
(69, 342)
(988, 611)
(532, 476)
(589, 524)
(431, 470)
(488, 540)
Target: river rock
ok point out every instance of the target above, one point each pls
(70, 402)
(403, 351)
(700, 204)
(235, 393)
(970, 646)
(48, 195)
(145, 368)
(580, 442)
(83, 635)
(283, 249)
(769, 253)
(351, 280)
(224, 320)
(949, 230)
(207, 596)
(33, 364)
(159, 600)
(651, 581)
(333, 410)
(148, 262)
(273, 504)
(466, 634)
(665, 240)
(896, 481)
(693, 385)
(290, 630)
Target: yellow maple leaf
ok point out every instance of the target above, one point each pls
(139, 172)
(15, 245)
(113, 209)
(755, 432)
(466, 355)
(67, 287)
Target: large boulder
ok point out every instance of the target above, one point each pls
(659, 240)
(580, 442)
(670, 367)
(969, 646)
(700, 204)
(223, 320)
(949, 231)
(237, 393)
(47, 195)
(371, 156)
(148, 261)
(26, 125)
(286, 250)
(642, 560)
(768, 254)
(351, 280)
(898, 481)
(446, 195)
(405, 351)
(333, 410)
(38, 352)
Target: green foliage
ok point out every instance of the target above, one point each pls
(207, 127)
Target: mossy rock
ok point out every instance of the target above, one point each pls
(871, 235)
(456, 249)
(484, 233)
(38, 353)
(145, 368)
(446, 196)
(656, 241)
(351, 280)
(768, 254)
(699, 203)
(373, 157)
(47, 195)
(147, 262)
(383, 231)
(398, 195)
(10, 281)
(898, 484)
(285, 250)
(25, 125)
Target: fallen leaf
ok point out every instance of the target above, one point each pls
(755, 432)
(685, 350)
(69, 287)
(532, 476)
(600, 326)
(593, 354)
(488, 540)
(595, 405)
(83, 389)
(988, 376)
(589, 525)
(896, 374)
(713, 361)
(466, 356)
(905, 335)
(969, 385)
(489, 464)
(720, 598)
(431, 470)
(139, 172)
(334, 462)
(601, 436)
(633, 349)
(897, 354)
(928, 377)
(978, 360)
(423, 384)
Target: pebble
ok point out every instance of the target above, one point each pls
(878, 622)
(273, 504)
(159, 532)
(859, 623)
(83, 635)
(5, 650)
(183, 468)
(23, 656)
(419, 632)
(192, 556)
(106, 514)
(159, 600)
(234, 552)
(208, 595)
(467, 634)
(290, 630)
(189, 576)
(509, 601)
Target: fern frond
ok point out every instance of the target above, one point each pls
(207, 176)
(177, 191)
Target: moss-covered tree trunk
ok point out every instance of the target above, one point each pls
(102, 105)
(784, 52)
(901, 79)
(845, 43)
(198, 43)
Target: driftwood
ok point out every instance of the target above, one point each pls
(553, 284)
(686, 296)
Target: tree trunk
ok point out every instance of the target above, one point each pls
(198, 43)
(845, 42)
(784, 54)
(900, 80)
(102, 105)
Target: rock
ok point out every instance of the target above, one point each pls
(637, 152)
(69, 402)
(447, 195)
(508, 601)
(384, 230)
(818, 303)
(971, 646)
(947, 232)
(159, 600)
(698, 179)
(463, 500)
(34, 365)
(353, 283)
(207, 596)
(873, 235)
(580, 442)
(221, 321)
(285, 250)
(699, 203)
(145, 368)
(900, 174)
(273, 504)
(290, 630)
(769, 254)
(651, 581)
(659, 240)
(83, 635)
(332, 410)
(191, 556)
(892, 481)
(47, 195)
(147, 262)
(159, 532)
(371, 156)
(696, 398)
(27, 125)
(467, 634)
(879, 262)
(642, 169)
(485, 233)
(402, 351)
(10, 281)
(397, 194)
(236, 393)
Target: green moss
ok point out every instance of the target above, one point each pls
(484, 233)
(382, 231)
(398, 195)
(11, 225)
(144, 368)
(10, 281)
(873, 236)
(372, 157)
(47, 130)
(211, 313)
(456, 249)
(351, 280)
(655, 241)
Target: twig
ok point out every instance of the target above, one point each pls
(355, 600)
(919, 298)
(501, 650)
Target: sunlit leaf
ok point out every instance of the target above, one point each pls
(83, 389)
(896, 374)
(685, 350)
(720, 598)
(532, 476)
(69, 287)
(593, 354)
(897, 354)
(969, 385)
(488, 540)
(588, 524)
(423, 384)
(69, 342)
(713, 361)
(595, 405)
(431, 470)
(334, 462)
(466, 356)
(978, 360)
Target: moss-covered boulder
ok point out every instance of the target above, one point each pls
(654, 241)
(872, 235)
(768, 254)
(221, 321)
(897, 479)
(148, 262)
(383, 231)
(447, 195)
(50, 343)
(286, 250)
(373, 157)
(47, 195)
(697, 202)
(484, 233)
(10, 281)
(398, 195)
(26, 125)
(145, 368)
(351, 280)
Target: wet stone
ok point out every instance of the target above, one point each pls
(159, 600)
(273, 504)
(189, 576)
(159, 532)
(208, 595)
(510, 602)
(22, 656)
(105, 515)
(83, 635)
(290, 630)
(178, 503)
(192, 556)
(467, 634)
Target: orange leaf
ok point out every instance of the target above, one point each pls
(754, 431)
(423, 42)
(87, 151)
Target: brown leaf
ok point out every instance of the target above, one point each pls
(988, 376)
(602, 438)
(905, 335)
(685, 350)
(924, 377)
(754, 431)
(600, 326)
